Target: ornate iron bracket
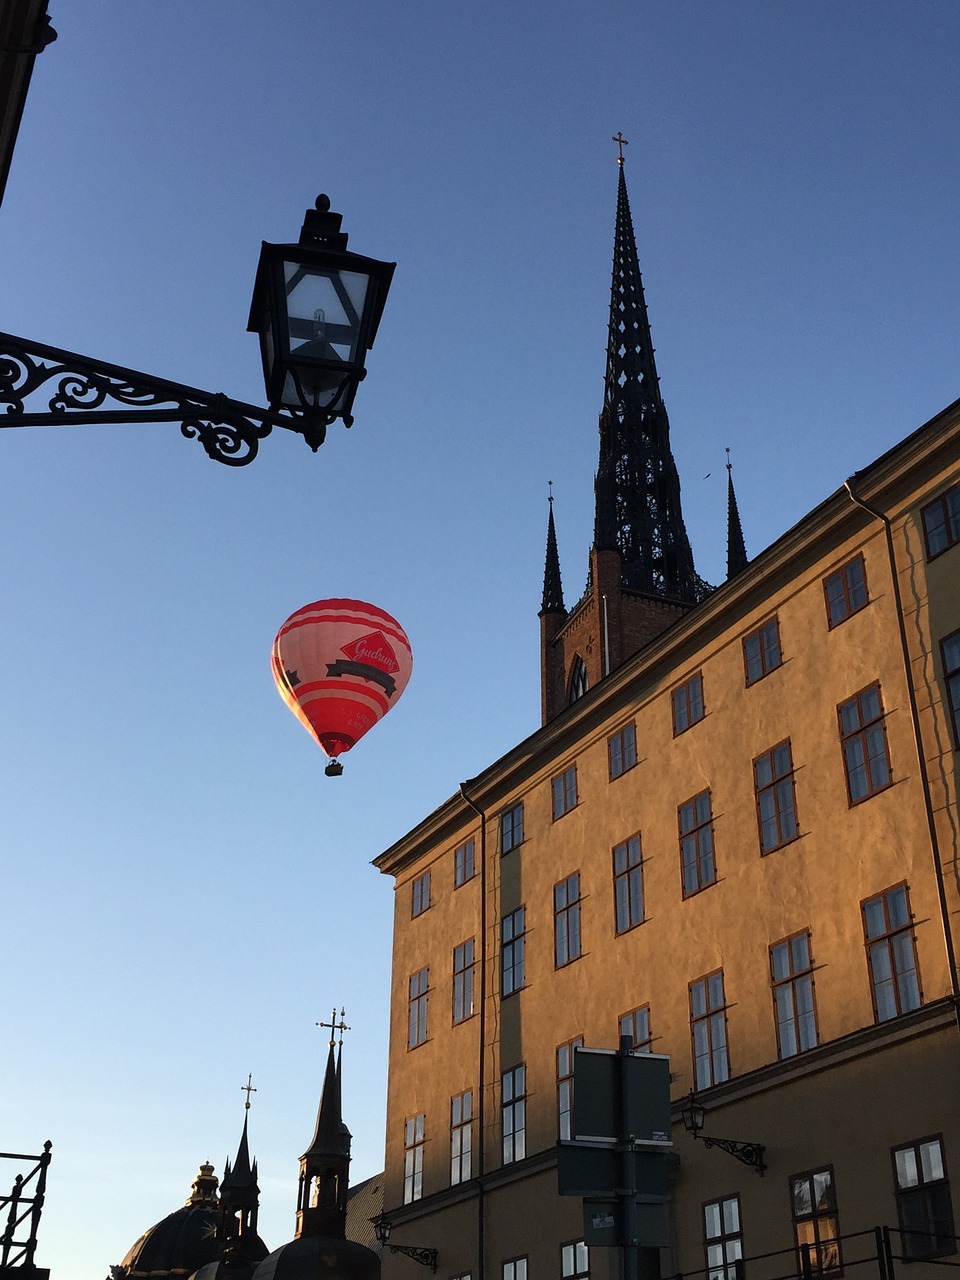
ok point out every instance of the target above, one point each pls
(426, 1257)
(748, 1153)
(229, 430)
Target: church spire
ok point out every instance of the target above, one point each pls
(240, 1201)
(322, 1205)
(637, 486)
(736, 548)
(552, 586)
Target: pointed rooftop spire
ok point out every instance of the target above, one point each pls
(331, 1137)
(736, 548)
(552, 586)
(637, 487)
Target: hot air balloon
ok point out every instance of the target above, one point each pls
(340, 665)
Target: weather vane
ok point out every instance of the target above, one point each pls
(621, 142)
(335, 1026)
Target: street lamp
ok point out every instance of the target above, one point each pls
(316, 307)
(748, 1153)
(381, 1229)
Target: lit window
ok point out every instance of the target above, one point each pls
(697, 861)
(791, 972)
(923, 1199)
(941, 522)
(579, 681)
(628, 884)
(463, 863)
(564, 787)
(565, 1055)
(622, 750)
(722, 1241)
(463, 971)
(776, 799)
(515, 1269)
(513, 1098)
(687, 704)
(417, 1008)
(708, 1025)
(845, 591)
(421, 894)
(512, 931)
(413, 1139)
(816, 1229)
(461, 1136)
(951, 674)
(566, 920)
(891, 953)
(761, 651)
(864, 742)
(511, 828)
(636, 1025)
(574, 1261)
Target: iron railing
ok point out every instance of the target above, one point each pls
(20, 1213)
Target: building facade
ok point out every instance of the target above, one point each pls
(734, 840)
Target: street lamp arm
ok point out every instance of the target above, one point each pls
(229, 430)
(748, 1153)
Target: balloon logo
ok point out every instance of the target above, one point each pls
(340, 665)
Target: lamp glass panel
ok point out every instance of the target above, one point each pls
(324, 310)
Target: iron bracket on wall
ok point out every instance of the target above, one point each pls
(748, 1153)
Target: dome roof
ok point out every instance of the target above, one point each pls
(319, 1258)
(183, 1241)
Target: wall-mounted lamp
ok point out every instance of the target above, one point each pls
(749, 1153)
(381, 1229)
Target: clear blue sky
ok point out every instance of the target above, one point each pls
(187, 894)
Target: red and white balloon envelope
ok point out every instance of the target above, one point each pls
(340, 665)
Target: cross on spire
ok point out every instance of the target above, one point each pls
(621, 142)
(333, 1026)
(248, 1088)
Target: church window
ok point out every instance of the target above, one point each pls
(941, 522)
(636, 1025)
(708, 1025)
(421, 894)
(628, 884)
(722, 1240)
(579, 681)
(511, 828)
(622, 750)
(513, 1101)
(923, 1199)
(565, 1054)
(791, 973)
(566, 920)
(463, 970)
(816, 1228)
(761, 651)
(461, 1137)
(863, 739)
(512, 930)
(417, 1008)
(687, 703)
(575, 1261)
(776, 799)
(464, 860)
(951, 674)
(564, 789)
(845, 591)
(413, 1142)
(697, 861)
(891, 953)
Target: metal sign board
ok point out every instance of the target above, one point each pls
(600, 1171)
(603, 1225)
(616, 1095)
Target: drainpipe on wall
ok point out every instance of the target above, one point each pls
(918, 742)
(606, 638)
(482, 1027)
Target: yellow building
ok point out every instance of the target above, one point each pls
(734, 839)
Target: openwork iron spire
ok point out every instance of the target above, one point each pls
(637, 486)
(736, 548)
(552, 586)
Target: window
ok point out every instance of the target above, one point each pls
(941, 522)
(512, 930)
(708, 1024)
(791, 973)
(417, 1008)
(515, 1269)
(776, 797)
(845, 591)
(463, 971)
(564, 788)
(628, 884)
(463, 863)
(622, 750)
(513, 1096)
(574, 1261)
(722, 1241)
(697, 862)
(815, 1224)
(923, 1199)
(891, 953)
(864, 742)
(421, 894)
(950, 649)
(413, 1139)
(687, 704)
(761, 651)
(636, 1025)
(566, 920)
(511, 828)
(565, 1054)
(579, 681)
(461, 1136)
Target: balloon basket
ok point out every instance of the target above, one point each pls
(333, 769)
